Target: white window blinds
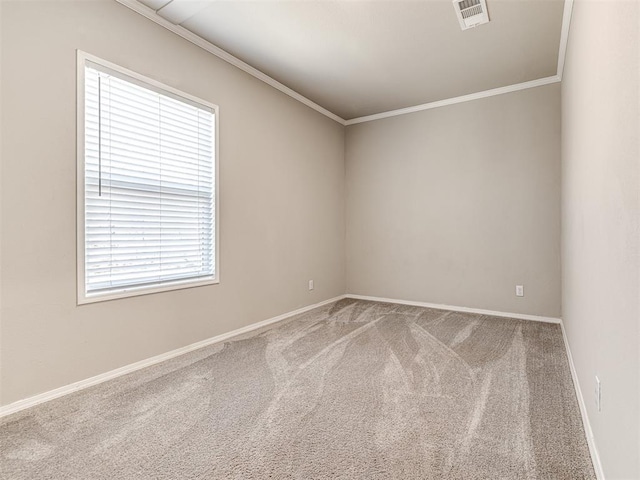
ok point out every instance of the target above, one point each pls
(148, 185)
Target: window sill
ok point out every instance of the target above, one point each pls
(126, 292)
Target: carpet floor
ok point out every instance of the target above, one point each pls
(351, 390)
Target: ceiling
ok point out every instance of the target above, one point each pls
(362, 57)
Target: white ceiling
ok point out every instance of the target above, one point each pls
(361, 57)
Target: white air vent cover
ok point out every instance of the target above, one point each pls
(471, 13)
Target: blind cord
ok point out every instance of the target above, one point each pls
(99, 135)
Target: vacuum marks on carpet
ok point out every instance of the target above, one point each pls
(352, 390)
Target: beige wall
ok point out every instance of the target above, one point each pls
(601, 222)
(456, 205)
(281, 194)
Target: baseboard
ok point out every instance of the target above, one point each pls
(103, 377)
(595, 457)
(520, 316)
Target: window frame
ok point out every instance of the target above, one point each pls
(134, 290)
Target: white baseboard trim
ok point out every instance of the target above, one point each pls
(520, 316)
(103, 377)
(595, 457)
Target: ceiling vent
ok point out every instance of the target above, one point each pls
(471, 13)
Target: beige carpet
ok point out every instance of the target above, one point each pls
(352, 390)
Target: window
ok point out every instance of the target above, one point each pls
(147, 193)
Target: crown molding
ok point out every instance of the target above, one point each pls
(564, 36)
(452, 101)
(227, 57)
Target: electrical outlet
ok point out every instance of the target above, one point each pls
(310, 284)
(598, 394)
(519, 290)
